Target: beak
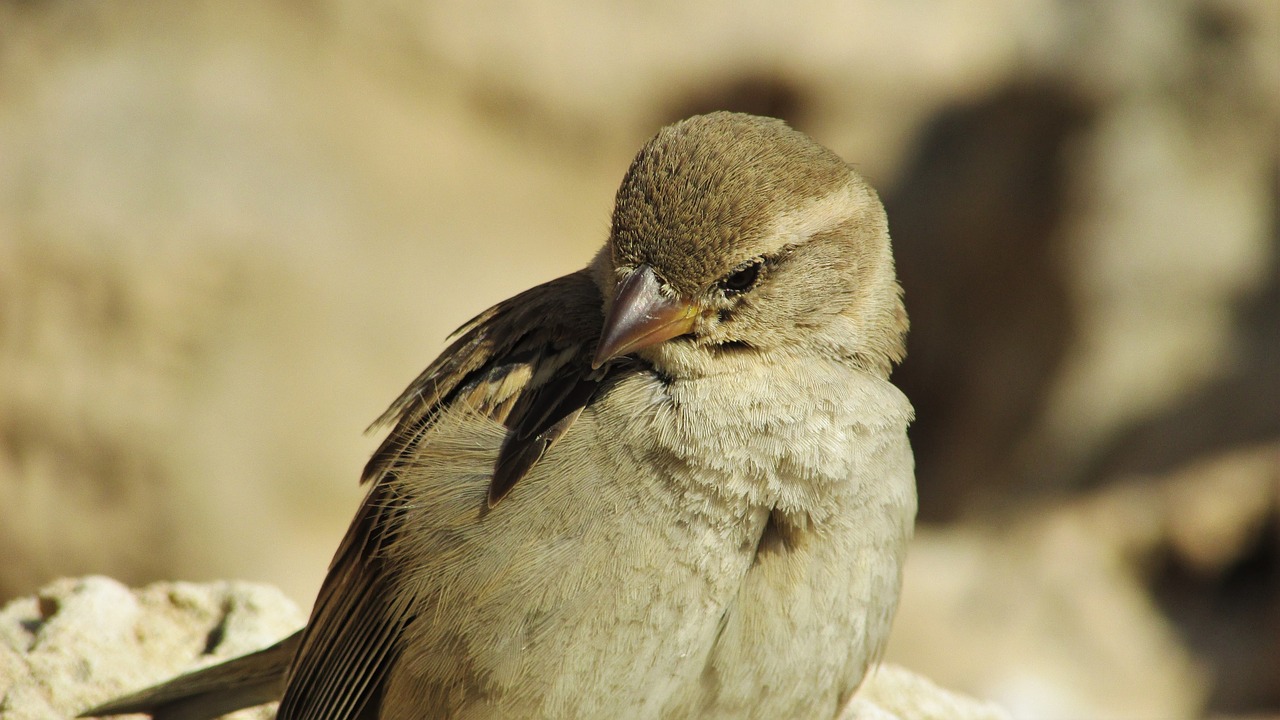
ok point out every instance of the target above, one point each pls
(641, 317)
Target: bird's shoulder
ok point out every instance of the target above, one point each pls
(524, 363)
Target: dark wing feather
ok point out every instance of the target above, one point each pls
(525, 363)
(537, 419)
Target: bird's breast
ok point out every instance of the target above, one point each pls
(791, 438)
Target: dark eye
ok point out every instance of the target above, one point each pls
(742, 279)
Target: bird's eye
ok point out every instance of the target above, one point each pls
(742, 279)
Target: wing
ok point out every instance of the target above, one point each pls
(525, 363)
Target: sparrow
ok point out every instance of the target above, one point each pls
(674, 484)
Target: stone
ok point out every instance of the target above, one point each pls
(81, 641)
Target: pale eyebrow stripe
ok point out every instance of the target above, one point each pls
(816, 215)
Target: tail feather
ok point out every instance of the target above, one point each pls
(211, 692)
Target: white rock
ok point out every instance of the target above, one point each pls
(81, 641)
(895, 693)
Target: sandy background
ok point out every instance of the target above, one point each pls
(231, 232)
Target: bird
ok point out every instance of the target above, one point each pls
(674, 484)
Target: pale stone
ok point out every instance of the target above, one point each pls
(81, 641)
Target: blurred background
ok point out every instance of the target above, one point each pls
(231, 232)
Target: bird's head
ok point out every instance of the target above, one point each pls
(734, 234)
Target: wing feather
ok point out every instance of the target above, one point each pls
(524, 363)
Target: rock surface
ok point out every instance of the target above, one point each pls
(895, 693)
(81, 641)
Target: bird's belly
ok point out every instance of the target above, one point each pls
(607, 609)
(809, 618)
